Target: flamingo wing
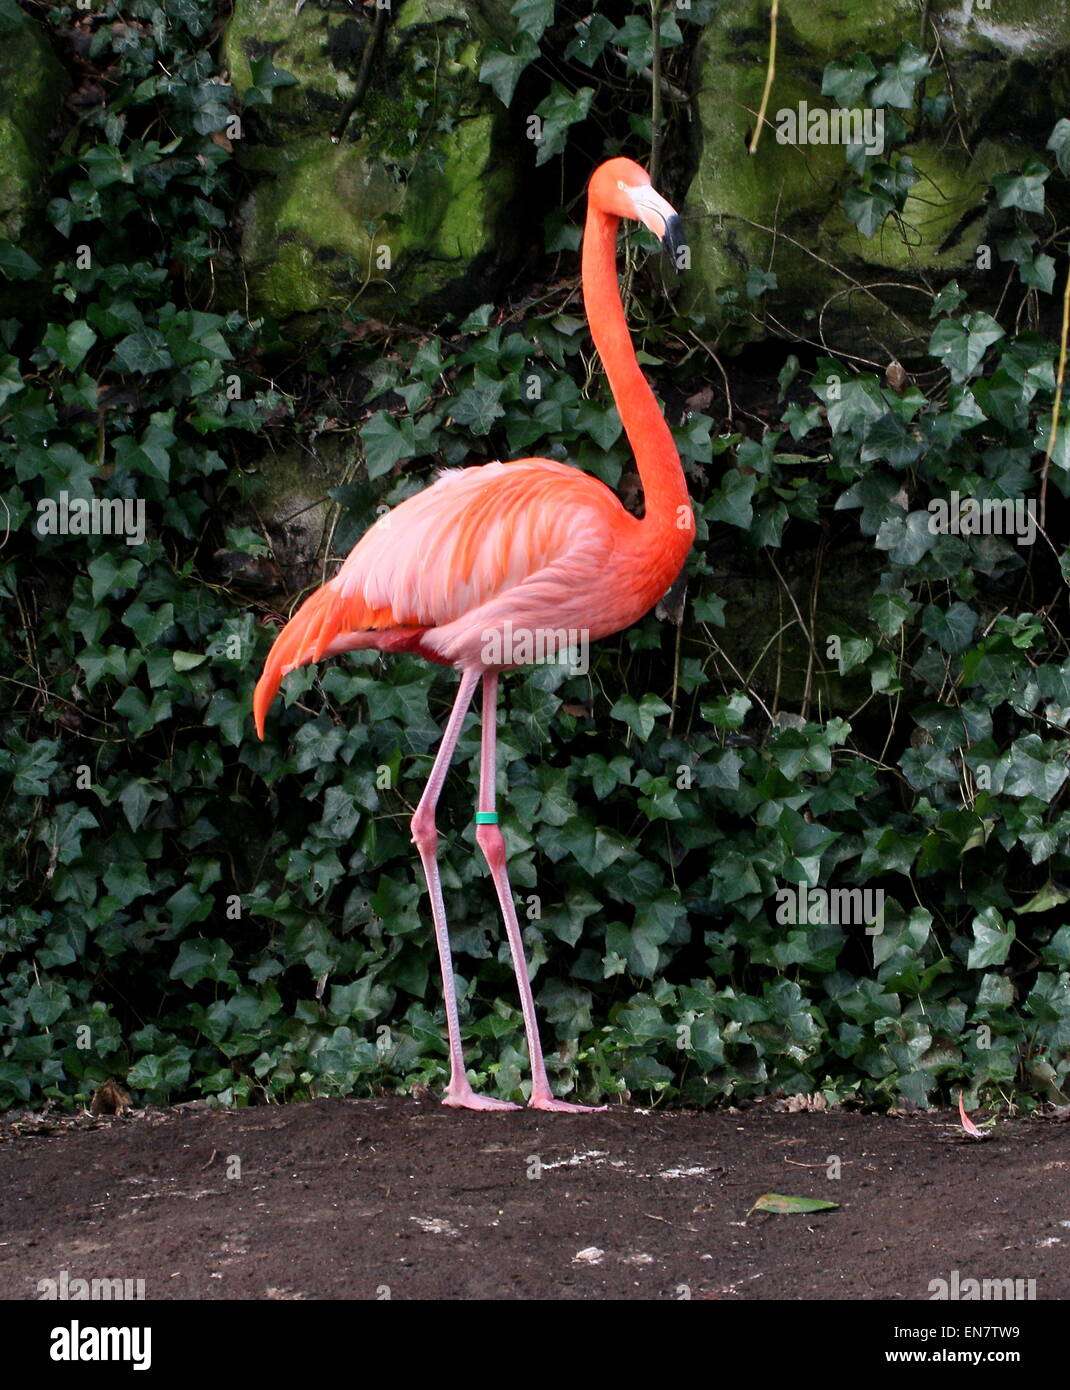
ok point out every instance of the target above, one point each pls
(478, 546)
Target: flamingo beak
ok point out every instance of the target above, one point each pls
(661, 217)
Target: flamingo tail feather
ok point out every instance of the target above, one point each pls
(327, 622)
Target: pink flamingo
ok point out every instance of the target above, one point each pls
(511, 551)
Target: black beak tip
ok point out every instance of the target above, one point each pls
(673, 240)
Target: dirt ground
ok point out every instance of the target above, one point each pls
(403, 1199)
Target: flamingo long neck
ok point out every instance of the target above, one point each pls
(668, 510)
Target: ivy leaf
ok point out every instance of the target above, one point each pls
(593, 32)
(732, 501)
(533, 17)
(636, 37)
(640, 716)
(708, 608)
(897, 80)
(266, 78)
(159, 1076)
(560, 110)
(479, 405)
(143, 714)
(11, 381)
(386, 442)
(1059, 144)
(136, 798)
(229, 715)
(727, 711)
(65, 830)
(104, 164)
(854, 651)
(948, 300)
(531, 712)
(1038, 273)
(501, 69)
(889, 612)
(200, 959)
(145, 351)
(1036, 768)
(906, 537)
(31, 763)
(113, 572)
(1024, 190)
(1017, 248)
(602, 423)
(266, 74)
(15, 264)
(992, 940)
(962, 343)
(867, 209)
(759, 282)
(952, 627)
(47, 1004)
(70, 342)
(846, 82)
(1045, 899)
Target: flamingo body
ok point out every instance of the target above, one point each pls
(525, 543)
(531, 546)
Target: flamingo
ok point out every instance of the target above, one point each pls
(501, 550)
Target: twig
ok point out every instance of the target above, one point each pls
(720, 367)
(655, 94)
(363, 74)
(1054, 430)
(770, 73)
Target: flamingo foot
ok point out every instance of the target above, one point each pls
(563, 1106)
(466, 1099)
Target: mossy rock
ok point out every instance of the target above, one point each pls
(762, 636)
(32, 84)
(781, 208)
(407, 216)
(294, 502)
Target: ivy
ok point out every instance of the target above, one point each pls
(226, 918)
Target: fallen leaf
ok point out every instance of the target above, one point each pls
(790, 1206)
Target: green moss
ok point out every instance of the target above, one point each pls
(416, 12)
(949, 198)
(451, 211)
(323, 212)
(392, 123)
(815, 250)
(760, 636)
(31, 85)
(843, 27)
(424, 169)
(308, 45)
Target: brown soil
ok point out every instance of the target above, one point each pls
(400, 1198)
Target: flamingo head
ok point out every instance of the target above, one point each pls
(622, 188)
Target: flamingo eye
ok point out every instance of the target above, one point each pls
(621, 184)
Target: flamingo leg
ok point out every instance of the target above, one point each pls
(492, 843)
(425, 838)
